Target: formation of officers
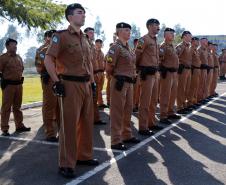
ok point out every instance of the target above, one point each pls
(72, 69)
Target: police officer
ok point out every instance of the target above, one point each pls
(215, 71)
(222, 60)
(203, 52)
(90, 34)
(100, 71)
(49, 105)
(121, 65)
(11, 69)
(195, 74)
(169, 64)
(184, 72)
(147, 53)
(69, 51)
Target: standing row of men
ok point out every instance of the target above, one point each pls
(73, 68)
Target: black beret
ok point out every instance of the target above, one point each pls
(9, 40)
(88, 29)
(195, 38)
(224, 49)
(210, 43)
(98, 40)
(215, 44)
(123, 25)
(169, 29)
(49, 33)
(185, 33)
(203, 38)
(70, 8)
(152, 21)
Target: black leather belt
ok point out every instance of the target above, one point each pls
(14, 82)
(85, 78)
(125, 78)
(98, 71)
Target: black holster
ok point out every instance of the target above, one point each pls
(121, 80)
(147, 70)
(163, 71)
(45, 78)
(5, 82)
(181, 68)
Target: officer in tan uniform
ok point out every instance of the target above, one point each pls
(184, 72)
(90, 34)
(11, 69)
(169, 64)
(222, 60)
(73, 80)
(49, 105)
(100, 72)
(147, 61)
(215, 71)
(195, 73)
(203, 52)
(121, 66)
(209, 70)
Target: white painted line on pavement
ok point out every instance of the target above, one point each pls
(53, 144)
(134, 148)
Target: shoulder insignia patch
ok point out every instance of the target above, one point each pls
(55, 39)
(109, 59)
(140, 43)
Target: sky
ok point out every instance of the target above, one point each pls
(199, 17)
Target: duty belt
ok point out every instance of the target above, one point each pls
(84, 78)
(125, 78)
(98, 71)
(147, 70)
(194, 67)
(204, 66)
(215, 67)
(167, 69)
(14, 82)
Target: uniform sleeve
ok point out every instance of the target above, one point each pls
(111, 56)
(140, 48)
(180, 48)
(54, 48)
(1, 64)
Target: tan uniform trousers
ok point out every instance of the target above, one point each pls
(214, 81)
(136, 93)
(168, 94)
(11, 97)
(95, 106)
(49, 108)
(194, 86)
(209, 82)
(120, 112)
(187, 89)
(148, 101)
(222, 69)
(100, 85)
(183, 83)
(202, 84)
(76, 143)
(108, 88)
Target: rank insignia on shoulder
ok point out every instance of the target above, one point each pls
(42, 56)
(161, 50)
(55, 39)
(109, 59)
(111, 51)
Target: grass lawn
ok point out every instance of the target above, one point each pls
(32, 90)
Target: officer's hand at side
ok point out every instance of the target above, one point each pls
(58, 89)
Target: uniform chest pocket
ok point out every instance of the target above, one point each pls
(73, 47)
(152, 48)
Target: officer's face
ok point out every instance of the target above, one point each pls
(90, 34)
(125, 33)
(188, 37)
(12, 47)
(98, 45)
(169, 36)
(154, 28)
(78, 18)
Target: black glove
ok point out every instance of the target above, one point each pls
(94, 88)
(58, 89)
(45, 78)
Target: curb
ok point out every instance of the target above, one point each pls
(31, 105)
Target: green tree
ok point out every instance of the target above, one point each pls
(178, 32)
(11, 33)
(161, 33)
(99, 33)
(29, 60)
(39, 13)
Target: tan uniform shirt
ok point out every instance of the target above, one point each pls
(122, 59)
(203, 55)
(40, 57)
(196, 62)
(184, 53)
(216, 60)
(147, 51)
(100, 59)
(168, 56)
(72, 53)
(11, 66)
(210, 59)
